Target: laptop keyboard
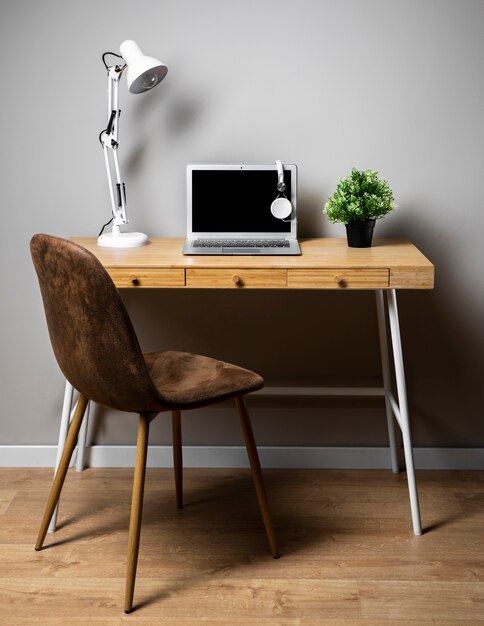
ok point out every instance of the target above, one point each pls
(241, 243)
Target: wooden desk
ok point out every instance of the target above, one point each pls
(324, 264)
(390, 264)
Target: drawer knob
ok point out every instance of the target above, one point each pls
(338, 279)
(134, 281)
(236, 279)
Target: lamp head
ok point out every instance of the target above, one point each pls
(143, 72)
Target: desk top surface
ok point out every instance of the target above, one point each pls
(408, 267)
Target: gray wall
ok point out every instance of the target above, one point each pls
(395, 85)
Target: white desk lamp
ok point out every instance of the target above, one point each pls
(143, 73)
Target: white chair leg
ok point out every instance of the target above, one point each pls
(81, 441)
(403, 404)
(64, 427)
(386, 375)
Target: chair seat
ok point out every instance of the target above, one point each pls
(187, 381)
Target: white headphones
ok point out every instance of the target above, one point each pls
(281, 207)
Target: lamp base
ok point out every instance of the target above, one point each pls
(122, 240)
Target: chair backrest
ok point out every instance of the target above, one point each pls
(92, 336)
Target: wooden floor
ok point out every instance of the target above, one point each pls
(348, 552)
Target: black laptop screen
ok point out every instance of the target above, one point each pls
(232, 201)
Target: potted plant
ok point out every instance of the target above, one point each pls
(359, 200)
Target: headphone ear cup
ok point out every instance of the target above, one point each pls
(281, 208)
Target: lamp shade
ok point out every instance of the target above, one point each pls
(143, 72)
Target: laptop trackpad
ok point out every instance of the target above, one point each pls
(241, 250)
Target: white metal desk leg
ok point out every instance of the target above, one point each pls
(403, 404)
(385, 366)
(81, 441)
(64, 427)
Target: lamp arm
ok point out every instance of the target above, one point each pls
(110, 144)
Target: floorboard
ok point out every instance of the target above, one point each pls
(348, 552)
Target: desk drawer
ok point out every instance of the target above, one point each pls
(372, 278)
(148, 277)
(236, 278)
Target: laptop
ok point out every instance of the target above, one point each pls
(229, 210)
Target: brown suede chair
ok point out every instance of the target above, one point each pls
(98, 352)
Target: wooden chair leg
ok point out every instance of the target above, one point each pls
(257, 474)
(178, 457)
(61, 472)
(136, 509)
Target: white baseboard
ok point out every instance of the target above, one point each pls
(235, 456)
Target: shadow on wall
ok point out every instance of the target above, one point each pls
(311, 221)
(181, 114)
(291, 338)
(167, 113)
(442, 335)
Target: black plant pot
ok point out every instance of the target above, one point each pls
(359, 233)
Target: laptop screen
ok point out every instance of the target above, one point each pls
(237, 200)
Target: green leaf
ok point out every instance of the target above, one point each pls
(361, 195)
